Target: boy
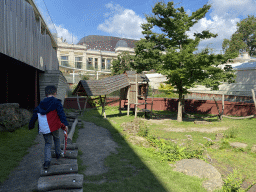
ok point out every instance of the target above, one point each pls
(50, 116)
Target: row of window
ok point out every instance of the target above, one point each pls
(105, 63)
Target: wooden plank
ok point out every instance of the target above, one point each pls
(62, 161)
(67, 190)
(59, 169)
(70, 181)
(69, 154)
(72, 146)
(253, 96)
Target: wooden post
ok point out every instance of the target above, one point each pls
(219, 116)
(128, 105)
(253, 96)
(103, 107)
(120, 102)
(136, 98)
(78, 102)
(223, 104)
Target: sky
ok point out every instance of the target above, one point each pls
(74, 19)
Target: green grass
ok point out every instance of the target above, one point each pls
(157, 173)
(13, 147)
(136, 167)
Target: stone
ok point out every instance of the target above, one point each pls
(238, 145)
(202, 122)
(12, 117)
(136, 140)
(253, 149)
(219, 136)
(201, 169)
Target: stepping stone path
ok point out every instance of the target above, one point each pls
(62, 175)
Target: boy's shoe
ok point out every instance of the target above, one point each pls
(46, 164)
(60, 155)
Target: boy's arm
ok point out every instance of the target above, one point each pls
(33, 119)
(61, 113)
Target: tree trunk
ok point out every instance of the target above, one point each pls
(179, 116)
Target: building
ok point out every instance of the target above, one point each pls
(92, 53)
(28, 52)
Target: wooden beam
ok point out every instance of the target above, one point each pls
(60, 169)
(69, 181)
(69, 154)
(253, 96)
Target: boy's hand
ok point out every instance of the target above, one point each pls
(66, 129)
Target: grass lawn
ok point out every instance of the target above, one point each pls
(136, 167)
(13, 147)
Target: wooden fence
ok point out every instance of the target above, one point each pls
(21, 37)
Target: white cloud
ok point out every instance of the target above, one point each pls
(122, 22)
(224, 17)
(62, 32)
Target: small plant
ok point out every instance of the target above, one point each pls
(231, 133)
(143, 130)
(233, 182)
(224, 144)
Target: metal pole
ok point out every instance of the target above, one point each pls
(73, 76)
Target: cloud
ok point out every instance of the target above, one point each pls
(233, 8)
(223, 19)
(62, 32)
(122, 22)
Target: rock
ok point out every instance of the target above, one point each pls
(201, 169)
(12, 117)
(136, 140)
(253, 149)
(207, 156)
(219, 136)
(238, 145)
(202, 122)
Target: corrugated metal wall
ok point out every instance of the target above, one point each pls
(21, 38)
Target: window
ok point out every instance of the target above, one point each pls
(78, 62)
(64, 61)
(103, 64)
(89, 65)
(96, 63)
(108, 63)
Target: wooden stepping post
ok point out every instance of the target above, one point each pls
(69, 154)
(60, 169)
(69, 181)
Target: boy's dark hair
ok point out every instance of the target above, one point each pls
(50, 90)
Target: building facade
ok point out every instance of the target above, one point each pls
(90, 54)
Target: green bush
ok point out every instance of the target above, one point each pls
(224, 144)
(169, 151)
(143, 130)
(233, 182)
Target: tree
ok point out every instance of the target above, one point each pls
(122, 63)
(172, 53)
(243, 40)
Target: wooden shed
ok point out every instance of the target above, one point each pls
(132, 87)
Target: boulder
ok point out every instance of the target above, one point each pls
(253, 149)
(238, 145)
(201, 169)
(12, 117)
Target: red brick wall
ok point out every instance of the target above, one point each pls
(191, 106)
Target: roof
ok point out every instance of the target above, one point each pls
(101, 87)
(247, 65)
(106, 43)
(140, 77)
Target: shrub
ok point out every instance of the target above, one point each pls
(233, 182)
(231, 133)
(224, 144)
(143, 130)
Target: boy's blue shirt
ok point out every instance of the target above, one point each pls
(45, 106)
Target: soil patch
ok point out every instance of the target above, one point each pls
(191, 129)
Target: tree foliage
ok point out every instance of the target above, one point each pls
(172, 52)
(243, 40)
(122, 63)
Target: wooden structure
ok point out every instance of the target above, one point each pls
(138, 90)
(132, 86)
(28, 54)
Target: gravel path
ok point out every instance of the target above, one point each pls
(24, 177)
(95, 142)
